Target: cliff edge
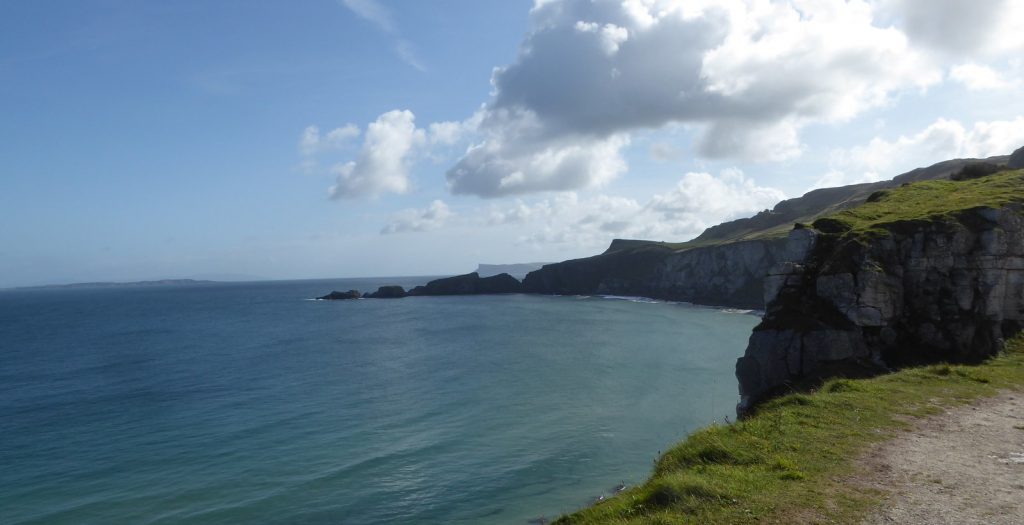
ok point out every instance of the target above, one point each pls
(726, 264)
(926, 272)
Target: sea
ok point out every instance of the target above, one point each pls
(255, 403)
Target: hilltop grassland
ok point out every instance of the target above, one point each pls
(788, 462)
(933, 200)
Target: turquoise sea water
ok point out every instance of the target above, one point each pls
(249, 403)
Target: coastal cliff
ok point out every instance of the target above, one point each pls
(721, 275)
(725, 265)
(924, 273)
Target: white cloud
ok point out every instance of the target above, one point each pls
(697, 201)
(407, 53)
(447, 133)
(419, 220)
(752, 73)
(944, 139)
(835, 178)
(392, 145)
(339, 136)
(704, 197)
(978, 77)
(372, 11)
(377, 14)
(999, 137)
(384, 161)
(312, 142)
(500, 166)
(961, 28)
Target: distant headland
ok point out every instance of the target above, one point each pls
(113, 284)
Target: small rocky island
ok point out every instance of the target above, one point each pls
(468, 284)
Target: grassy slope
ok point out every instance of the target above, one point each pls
(929, 200)
(781, 465)
(785, 464)
(828, 202)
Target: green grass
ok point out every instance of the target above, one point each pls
(921, 201)
(929, 201)
(786, 463)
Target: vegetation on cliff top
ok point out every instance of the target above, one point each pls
(815, 204)
(926, 201)
(785, 463)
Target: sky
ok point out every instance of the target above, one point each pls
(145, 139)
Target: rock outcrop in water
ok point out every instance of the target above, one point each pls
(341, 296)
(387, 292)
(945, 288)
(470, 284)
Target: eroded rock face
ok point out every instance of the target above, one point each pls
(929, 291)
(731, 274)
(725, 275)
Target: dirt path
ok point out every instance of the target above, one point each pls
(964, 466)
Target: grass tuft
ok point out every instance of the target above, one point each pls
(683, 491)
(836, 386)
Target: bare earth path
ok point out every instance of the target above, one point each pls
(965, 466)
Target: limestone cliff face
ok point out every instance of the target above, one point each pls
(723, 275)
(949, 289)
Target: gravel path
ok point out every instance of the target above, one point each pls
(965, 466)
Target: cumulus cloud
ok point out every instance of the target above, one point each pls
(419, 220)
(697, 201)
(384, 160)
(960, 28)
(501, 166)
(391, 145)
(752, 73)
(943, 139)
(978, 77)
(703, 197)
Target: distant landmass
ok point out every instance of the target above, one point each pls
(518, 271)
(103, 284)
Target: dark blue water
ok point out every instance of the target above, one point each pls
(249, 403)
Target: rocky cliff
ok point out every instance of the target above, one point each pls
(923, 273)
(723, 275)
(725, 265)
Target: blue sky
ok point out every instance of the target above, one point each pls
(332, 138)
